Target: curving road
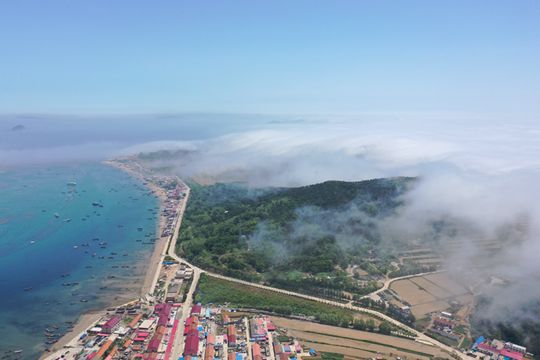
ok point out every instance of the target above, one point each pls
(389, 281)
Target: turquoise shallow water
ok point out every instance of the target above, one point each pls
(101, 251)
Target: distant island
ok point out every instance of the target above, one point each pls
(19, 127)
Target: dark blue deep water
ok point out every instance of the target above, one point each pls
(39, 252)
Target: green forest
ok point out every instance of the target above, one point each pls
(297, 238)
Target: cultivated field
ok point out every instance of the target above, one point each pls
(430, 293)
(411, 293)
(430, 287)
(356, 344)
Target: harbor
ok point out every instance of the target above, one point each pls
(65, 269)
(172, 194)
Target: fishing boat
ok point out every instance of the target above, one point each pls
(72, 183)
(56, 215)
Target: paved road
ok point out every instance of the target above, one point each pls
(183, 314)
(389, 281)
(420, 337)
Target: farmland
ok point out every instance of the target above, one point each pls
(354, 343)
(430, 293)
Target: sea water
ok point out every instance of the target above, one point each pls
(72, 239)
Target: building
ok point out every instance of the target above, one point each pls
(196, 309)
(257, 330)
(133, 323)
(446, 314)
(270, 325)
(210, 350)
(514, 347)
(147, 324)
(163, 311)
(111, 325)
(496, 349)
(191, 346)
(256, 351)
(173, 293)
(231, 335)
(442, 323)
(103, 349)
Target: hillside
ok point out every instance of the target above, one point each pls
(301, 238)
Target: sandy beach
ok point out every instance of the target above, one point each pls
(150, 278)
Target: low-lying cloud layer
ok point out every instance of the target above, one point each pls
(477, 173)
(479, 177)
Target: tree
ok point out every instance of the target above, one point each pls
(370, 325)
(385, 328)
(359, 324)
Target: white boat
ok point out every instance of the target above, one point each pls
(72, 183)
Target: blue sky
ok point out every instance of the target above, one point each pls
(307, 57)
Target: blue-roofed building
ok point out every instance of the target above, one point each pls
(478, 341)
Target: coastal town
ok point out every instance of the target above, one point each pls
(164, 322)
(140, 331)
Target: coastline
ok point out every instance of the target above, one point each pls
(88, 319)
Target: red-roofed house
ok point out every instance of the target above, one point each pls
(511, 355)
(111, 325)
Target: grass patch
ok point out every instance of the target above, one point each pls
(284, 339)
(442, 339)
(332, 356)
(466, 343)
(460, 329)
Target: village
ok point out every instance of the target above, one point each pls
(163, 323)
(141, 330)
